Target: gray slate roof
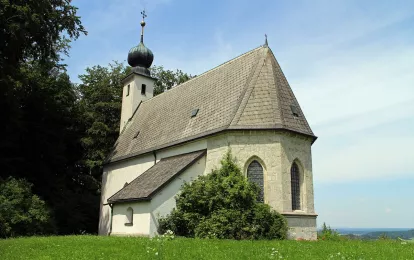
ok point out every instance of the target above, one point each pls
(152, 180)
(248, 92)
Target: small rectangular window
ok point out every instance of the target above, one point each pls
(127, 90)
(143, 89)
(295, 110)
(194, 112)
(136, 135)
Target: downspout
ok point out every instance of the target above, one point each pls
(110, 223)
(155, 157)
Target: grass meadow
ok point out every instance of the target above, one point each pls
(100, 247)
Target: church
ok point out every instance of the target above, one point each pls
(245, 104)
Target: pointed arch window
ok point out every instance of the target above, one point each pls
(255, 175)
(295, 186)
(129, 217)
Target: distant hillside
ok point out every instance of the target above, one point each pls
(408, 234)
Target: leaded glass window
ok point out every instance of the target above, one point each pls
(255, 175)
(295, 186)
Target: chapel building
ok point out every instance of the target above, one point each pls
(245, 104)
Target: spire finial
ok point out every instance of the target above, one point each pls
(143, 25)
(266, 44)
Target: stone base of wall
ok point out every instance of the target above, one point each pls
(301, 226)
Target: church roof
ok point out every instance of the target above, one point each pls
(152, 180)
(248, 92)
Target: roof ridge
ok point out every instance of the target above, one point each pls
(290, 90)
(208, 71)
(237, 111)
(274, 63)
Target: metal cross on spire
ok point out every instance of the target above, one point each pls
(143, 15)
(143, 24)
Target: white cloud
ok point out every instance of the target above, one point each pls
(388, 210)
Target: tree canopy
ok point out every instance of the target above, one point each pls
(167, 79)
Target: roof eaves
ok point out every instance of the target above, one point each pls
(205, 134)
(124, 79)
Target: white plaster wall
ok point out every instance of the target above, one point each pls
(131, 102)
(164, 201)
(141, 219)
(114, 178)
(146, 214)
(181, 149)
(115, 175)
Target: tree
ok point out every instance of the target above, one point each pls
(31, 31)
(167, 79)
(223, 204)
(40, 135)
(100, 98)
(21, 212)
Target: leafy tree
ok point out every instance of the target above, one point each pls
(29, 30)
(21, 212)
(49, 147)
(100, 98)
(31, 33)
(223, 204)
(167, 79)
(40, 134)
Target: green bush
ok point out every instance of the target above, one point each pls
(21, 212)
(223, 204)
(327, 233)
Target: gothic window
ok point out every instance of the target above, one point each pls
(295, 186)
(143, 89)
(129, 217)
(128, 88)
(255, 175)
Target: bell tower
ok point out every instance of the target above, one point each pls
(138, 85)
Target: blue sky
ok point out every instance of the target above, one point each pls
(350, 64)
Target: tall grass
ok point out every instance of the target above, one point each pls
(98, 247)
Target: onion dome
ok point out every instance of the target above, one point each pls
(141, 56)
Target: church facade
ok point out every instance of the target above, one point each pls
(245, 104)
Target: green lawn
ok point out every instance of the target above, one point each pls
(96, 247)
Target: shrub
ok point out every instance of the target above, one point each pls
(383, 236)
(327, 233)
(21, 212)
(223, 204)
